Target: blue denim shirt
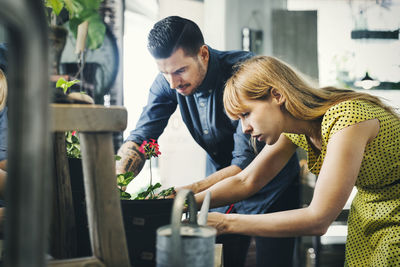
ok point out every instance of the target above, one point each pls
(3, 113)
(204, 115)
(3, 133)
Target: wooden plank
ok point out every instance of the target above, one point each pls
(218, 256)
(78, 262)
(106, 227)
(93, 118)
(63, 228)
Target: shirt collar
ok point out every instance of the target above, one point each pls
(212, 74)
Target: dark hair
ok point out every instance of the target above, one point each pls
(172, 33)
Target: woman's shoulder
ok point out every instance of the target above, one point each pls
(347, 113)
(355, 108)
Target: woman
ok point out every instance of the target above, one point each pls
(351, 139)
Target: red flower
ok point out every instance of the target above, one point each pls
(150, 149)
(73, 133)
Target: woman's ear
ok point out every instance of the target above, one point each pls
(277, 96)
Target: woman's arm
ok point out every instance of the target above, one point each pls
(335, 182)
(261, 170)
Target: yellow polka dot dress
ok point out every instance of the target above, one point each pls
(374, 220)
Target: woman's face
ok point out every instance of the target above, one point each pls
(263, 119)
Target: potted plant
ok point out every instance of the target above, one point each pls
(146, 212)
(142, 214)
(75, 12)
(73, 153)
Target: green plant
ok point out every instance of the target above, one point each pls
(80, 11)
(149, 149)
(71, 138)
(72, 145)
(65, 85)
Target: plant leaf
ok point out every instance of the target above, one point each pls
(55, 5)
(124, 195)
(96, 31)
(60, 82)
(166, 192)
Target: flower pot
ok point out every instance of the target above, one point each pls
(57, 39)
(142, 218)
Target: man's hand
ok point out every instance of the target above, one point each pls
(131, 159)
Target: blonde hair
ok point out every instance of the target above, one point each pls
(3, 90)
(256, 76)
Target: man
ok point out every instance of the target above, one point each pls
(192, 76)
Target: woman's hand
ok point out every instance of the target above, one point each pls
(218, 221)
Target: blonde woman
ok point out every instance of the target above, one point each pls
(351, 139)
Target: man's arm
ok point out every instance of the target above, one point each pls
(212, 179)
(161, 104)
(132, 160)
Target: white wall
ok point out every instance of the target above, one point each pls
(224, 20)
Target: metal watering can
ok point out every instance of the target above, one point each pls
(184, 245)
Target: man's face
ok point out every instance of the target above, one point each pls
(184, 73)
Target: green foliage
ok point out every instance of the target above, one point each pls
(55, 5)
(148, 193)
(166, 192)
(72, 145)
(125, 179)
(80, 11)
(65, 85)
(124, 195)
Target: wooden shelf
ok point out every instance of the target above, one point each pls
(88, 118)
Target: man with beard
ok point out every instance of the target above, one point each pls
(192, 76)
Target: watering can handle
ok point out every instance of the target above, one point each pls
(177, 211)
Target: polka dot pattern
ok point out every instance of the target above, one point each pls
(374, 219)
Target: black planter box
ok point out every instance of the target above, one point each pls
(78, 195)
(141, 219)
